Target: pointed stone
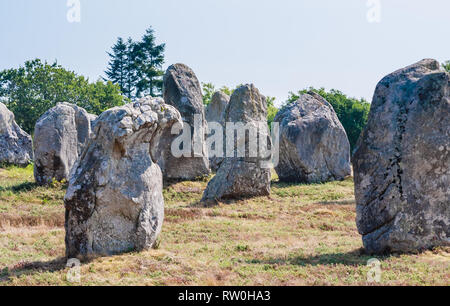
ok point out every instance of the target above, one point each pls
(183, 91)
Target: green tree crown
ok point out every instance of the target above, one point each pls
(31, 90)
(446, 66)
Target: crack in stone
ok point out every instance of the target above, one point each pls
(386, 223)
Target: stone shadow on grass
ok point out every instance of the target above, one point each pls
(344, 202)
(224, 201)
(38, 267)
(30, 268)
(31, 186)
(169, 182)
(23, 187)
(353, 258)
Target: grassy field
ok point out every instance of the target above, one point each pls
(301, 235)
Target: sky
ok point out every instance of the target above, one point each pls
(278, 45)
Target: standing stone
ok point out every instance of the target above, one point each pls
(215, 112)
(60, 136)
(402, 162)
(182, 90)
(114, 202)
(15, 144)
(241, 177)
(314, 147)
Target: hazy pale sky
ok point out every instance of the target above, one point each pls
(279, 45)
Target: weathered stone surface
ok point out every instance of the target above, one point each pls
(60, 136)
(15, 144)
(241, 177)
(402, 162)
(215, 112)
(114, 202)
(182, 90)
(314, 147)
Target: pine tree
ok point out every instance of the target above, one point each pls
(149, 61)
(136, 66)
(131, 70)
(122, 66)
(116, 71)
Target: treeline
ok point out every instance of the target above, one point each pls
(31, 90)
(135, 69)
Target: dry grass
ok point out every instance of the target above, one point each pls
(301, 235)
